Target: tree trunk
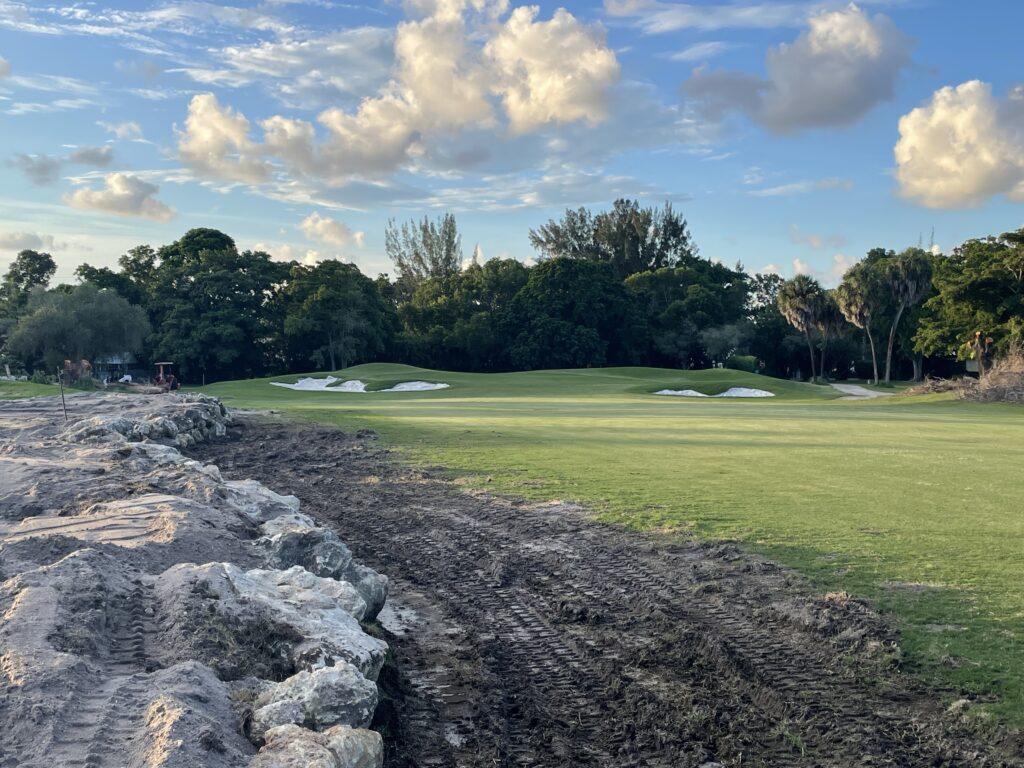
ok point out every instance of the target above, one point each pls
(874, 355)
(821, 368)
(918, 367)
(810, 348)
(892, 342)
(330, 350)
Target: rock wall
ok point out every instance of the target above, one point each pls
(154, 614)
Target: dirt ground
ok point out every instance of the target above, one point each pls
(528, 635)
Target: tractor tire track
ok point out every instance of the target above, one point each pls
(534, 637)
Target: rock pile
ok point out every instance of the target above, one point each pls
(154, 614)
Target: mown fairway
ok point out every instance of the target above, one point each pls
(12, 390)
(914, 503)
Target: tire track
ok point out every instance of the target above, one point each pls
(540, 639)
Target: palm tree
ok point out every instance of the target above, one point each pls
(800, 302)
(910, 277)
(860, 297)
(830, 324)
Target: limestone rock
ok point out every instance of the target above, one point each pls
(289, 746)
(313, 611)
(337, 695)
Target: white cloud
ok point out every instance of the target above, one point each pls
(5, 67)
(830, 276)
(833, 74)
(817, 242)
(551, 72)
(702, 51)
(802, 188)
(216, 142)
(452, 68)
(962, 148)
(58, 105)
(20, 241)
(322, 229)
(655, 17)
(122, 131)
(123, 195)
(286, 252)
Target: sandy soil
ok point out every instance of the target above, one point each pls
(526, 635)
(156, 615)
(857, 392)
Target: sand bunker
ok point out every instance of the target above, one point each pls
(415, 386)
(323, 385)
(731, 392)
(327, 384)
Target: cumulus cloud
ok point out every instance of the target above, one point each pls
(322, 229)
(5, 67)
(123, 195)
(122, 131)
(39, 169)
(216, 142)
(551, 72)
(20, 241)
(834, 73)
(98, 156)
(286, 252)
(455, 63)
(962, 148)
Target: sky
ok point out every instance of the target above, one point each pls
(793, 136)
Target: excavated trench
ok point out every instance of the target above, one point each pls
(528, 635)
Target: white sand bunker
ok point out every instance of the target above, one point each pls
(731, 392)
(325, 384)
(328, 384)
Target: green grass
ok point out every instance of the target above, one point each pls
(13, 390)
(912, 502)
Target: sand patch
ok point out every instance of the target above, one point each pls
(328, 384)
(731, 392)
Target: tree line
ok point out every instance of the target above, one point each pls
(625, 286)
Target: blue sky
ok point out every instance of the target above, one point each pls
(794, 136)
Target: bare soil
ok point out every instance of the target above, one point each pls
(529, 635)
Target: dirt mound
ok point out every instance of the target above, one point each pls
(143, 609)
(526, 635)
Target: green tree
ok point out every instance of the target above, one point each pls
(979, 287)
(860, 297)
(800, 300)
(910, 277)
(423, 249)
(830, 324)
(334, 315)
(216, 313)
(630, 238)
(83, 323)
(571, 314)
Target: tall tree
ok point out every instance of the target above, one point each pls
(84, 322)
(830, 324)
(978, 287)
(860, 297)
(800, 301)
(423, 249)
(334, 315)
(630, 238)
(910, 277)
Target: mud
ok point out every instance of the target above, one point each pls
(528, 635)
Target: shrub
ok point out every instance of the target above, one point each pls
(864, 369)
